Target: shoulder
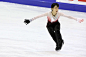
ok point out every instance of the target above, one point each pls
(47, 13)
(60, 13)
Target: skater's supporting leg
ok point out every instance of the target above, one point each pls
(58, 37)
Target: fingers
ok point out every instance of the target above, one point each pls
(81, 20)
(25, 22)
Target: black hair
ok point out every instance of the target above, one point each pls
(54, 4)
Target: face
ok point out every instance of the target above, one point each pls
(55, 9)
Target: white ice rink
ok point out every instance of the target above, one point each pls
(33, 40)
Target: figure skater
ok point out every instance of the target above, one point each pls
(53, 24)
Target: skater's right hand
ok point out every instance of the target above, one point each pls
(26, 21)
(80, 20)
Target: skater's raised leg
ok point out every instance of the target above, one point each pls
(52, 33)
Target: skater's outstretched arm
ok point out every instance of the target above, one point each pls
(42, 15)
(29, 20)
(77, 19)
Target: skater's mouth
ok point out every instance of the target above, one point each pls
(56, 11)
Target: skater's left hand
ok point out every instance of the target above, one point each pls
(26, 21)
(80, 20)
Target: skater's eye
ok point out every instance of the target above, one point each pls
(56, 7)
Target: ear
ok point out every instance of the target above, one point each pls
(52, 9)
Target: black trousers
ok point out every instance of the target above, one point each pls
(54, 30)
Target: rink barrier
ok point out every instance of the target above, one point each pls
(65, 6)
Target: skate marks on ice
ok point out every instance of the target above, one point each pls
(13, 48)
(16, 48)
(59, 53)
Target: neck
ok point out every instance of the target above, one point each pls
(53, 13)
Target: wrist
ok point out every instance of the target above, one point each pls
(76, 19)
(80, 20)
(30, 20)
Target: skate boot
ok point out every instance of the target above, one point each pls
(59, 45)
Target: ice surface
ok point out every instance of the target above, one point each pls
(33, 40)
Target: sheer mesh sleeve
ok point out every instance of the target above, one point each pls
(42, 15)
(61, 14)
